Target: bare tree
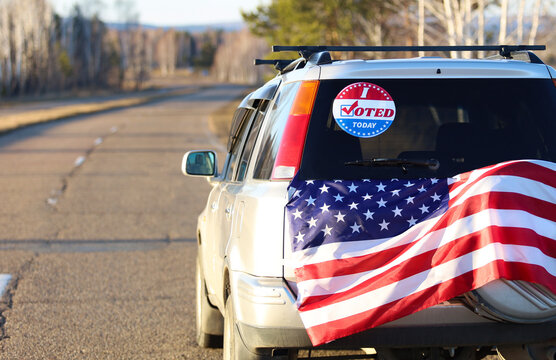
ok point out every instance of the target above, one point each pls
(481, 25)
(130, 19)
(166, 53)
(5, 47)
(503, 21)
(520, 12)
(233, 61)
(462, 22)
(535, 21)
(421, 28)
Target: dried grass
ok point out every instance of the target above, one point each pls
(14, 121)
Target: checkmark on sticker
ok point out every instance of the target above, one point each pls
(351, 108)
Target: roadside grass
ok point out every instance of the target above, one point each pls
(14, 121)
(219, 120)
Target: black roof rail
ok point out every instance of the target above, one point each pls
(279, 64)
(503, 50)
(283, 65)
(320, 58)
(526, 56)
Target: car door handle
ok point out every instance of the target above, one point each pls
(228, 210)
(214, 206)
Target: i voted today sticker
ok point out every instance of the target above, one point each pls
(364, 110)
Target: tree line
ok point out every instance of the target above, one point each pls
(41, 51)
(403, 22)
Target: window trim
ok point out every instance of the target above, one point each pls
(260, 114)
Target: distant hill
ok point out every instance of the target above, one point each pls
(232, 26)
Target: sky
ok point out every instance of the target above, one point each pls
(169, 12)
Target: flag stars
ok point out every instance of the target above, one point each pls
(339, 216)
(384, 225)
(324, 208)
(352, 187)
(297, 214)
(310, 182)
(355, 228)
(435, 197)
(338, 198)
(412, 221)
(312, 222)
(369, 215)
(327, 230)
(319, 208)
(367, 196)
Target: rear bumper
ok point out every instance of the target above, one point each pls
(268, 318)
(476, 335)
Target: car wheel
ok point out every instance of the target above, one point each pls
(234, 348)
(208, 320)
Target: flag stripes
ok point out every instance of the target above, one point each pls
(354, 322)
(500, 222)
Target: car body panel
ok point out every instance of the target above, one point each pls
(257, 248)
(421, 68)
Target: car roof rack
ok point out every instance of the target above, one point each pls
(504, 50)
(319, 55)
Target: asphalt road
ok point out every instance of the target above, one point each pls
(97, 230)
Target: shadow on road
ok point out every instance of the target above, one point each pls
(81, 246)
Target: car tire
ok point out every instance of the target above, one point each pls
(234, 348)
(208, 320)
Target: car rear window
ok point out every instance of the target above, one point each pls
(463, 123)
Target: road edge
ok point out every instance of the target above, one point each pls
(16, 121)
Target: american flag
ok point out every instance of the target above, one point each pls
(367, 252)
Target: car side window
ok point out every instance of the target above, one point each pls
(272, 132)
(250, 142)
(235, 151)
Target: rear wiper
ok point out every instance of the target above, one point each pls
(432, 164)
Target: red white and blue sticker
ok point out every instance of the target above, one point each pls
(364, 110)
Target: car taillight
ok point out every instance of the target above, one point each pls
(288, 158)
(554, 81)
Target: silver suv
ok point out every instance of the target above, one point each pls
(427, 118)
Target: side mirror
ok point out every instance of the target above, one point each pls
(199, 163)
